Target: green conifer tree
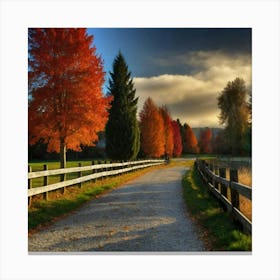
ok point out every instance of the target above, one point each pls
(122, 130)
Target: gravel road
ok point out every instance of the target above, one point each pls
(144, 215)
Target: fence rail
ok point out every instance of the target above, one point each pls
(219, 185)
(100, 170)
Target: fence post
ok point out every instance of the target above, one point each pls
(101, 169)
(203, 166)
(222, 173)
(129, 165)
(63, 178)
(105, 169)
(46, 182)
(80, 174)
(125, 166)
(211, 168)
(215, 183)
(233, 193)
(29, 186)
(110, 168)
(93, 170)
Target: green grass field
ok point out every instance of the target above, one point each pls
(39, 166)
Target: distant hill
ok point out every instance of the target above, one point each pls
(197, 130)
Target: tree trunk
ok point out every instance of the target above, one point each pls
(62, 159)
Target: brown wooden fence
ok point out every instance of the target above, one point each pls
(97, 171)
(226, 191)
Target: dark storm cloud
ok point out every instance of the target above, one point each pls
(148, 49)
(196, 61)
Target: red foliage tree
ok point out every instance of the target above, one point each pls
(66, 104)
(177, 139)
(168, 131)
(205, 145)
(191, 141)
(152, 130)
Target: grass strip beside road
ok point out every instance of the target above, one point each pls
(217, 229)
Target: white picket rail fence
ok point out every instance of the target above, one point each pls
(100, 170)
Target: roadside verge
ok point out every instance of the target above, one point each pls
(217, 229)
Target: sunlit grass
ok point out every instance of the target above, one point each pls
(245, 178)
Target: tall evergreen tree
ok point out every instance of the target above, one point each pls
(122, 130)
(177, 139)
(183, 135)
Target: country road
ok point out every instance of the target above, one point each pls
(145, 215)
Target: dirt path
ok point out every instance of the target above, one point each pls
(145, 215)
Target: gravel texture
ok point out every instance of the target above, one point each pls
(144, 215)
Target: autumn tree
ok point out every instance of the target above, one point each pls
(205, 141)
(168, 131)
(122, 130)
(152, 130)
(66, 104)
(234, 114)
(191, 140)
(177, 139)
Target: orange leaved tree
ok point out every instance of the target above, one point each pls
(66, 104)
(168, 131)
(191, 140)
(205, 145)
(152, 130)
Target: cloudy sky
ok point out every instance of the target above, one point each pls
(183, 68)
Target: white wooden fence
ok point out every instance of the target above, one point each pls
(98, 171)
